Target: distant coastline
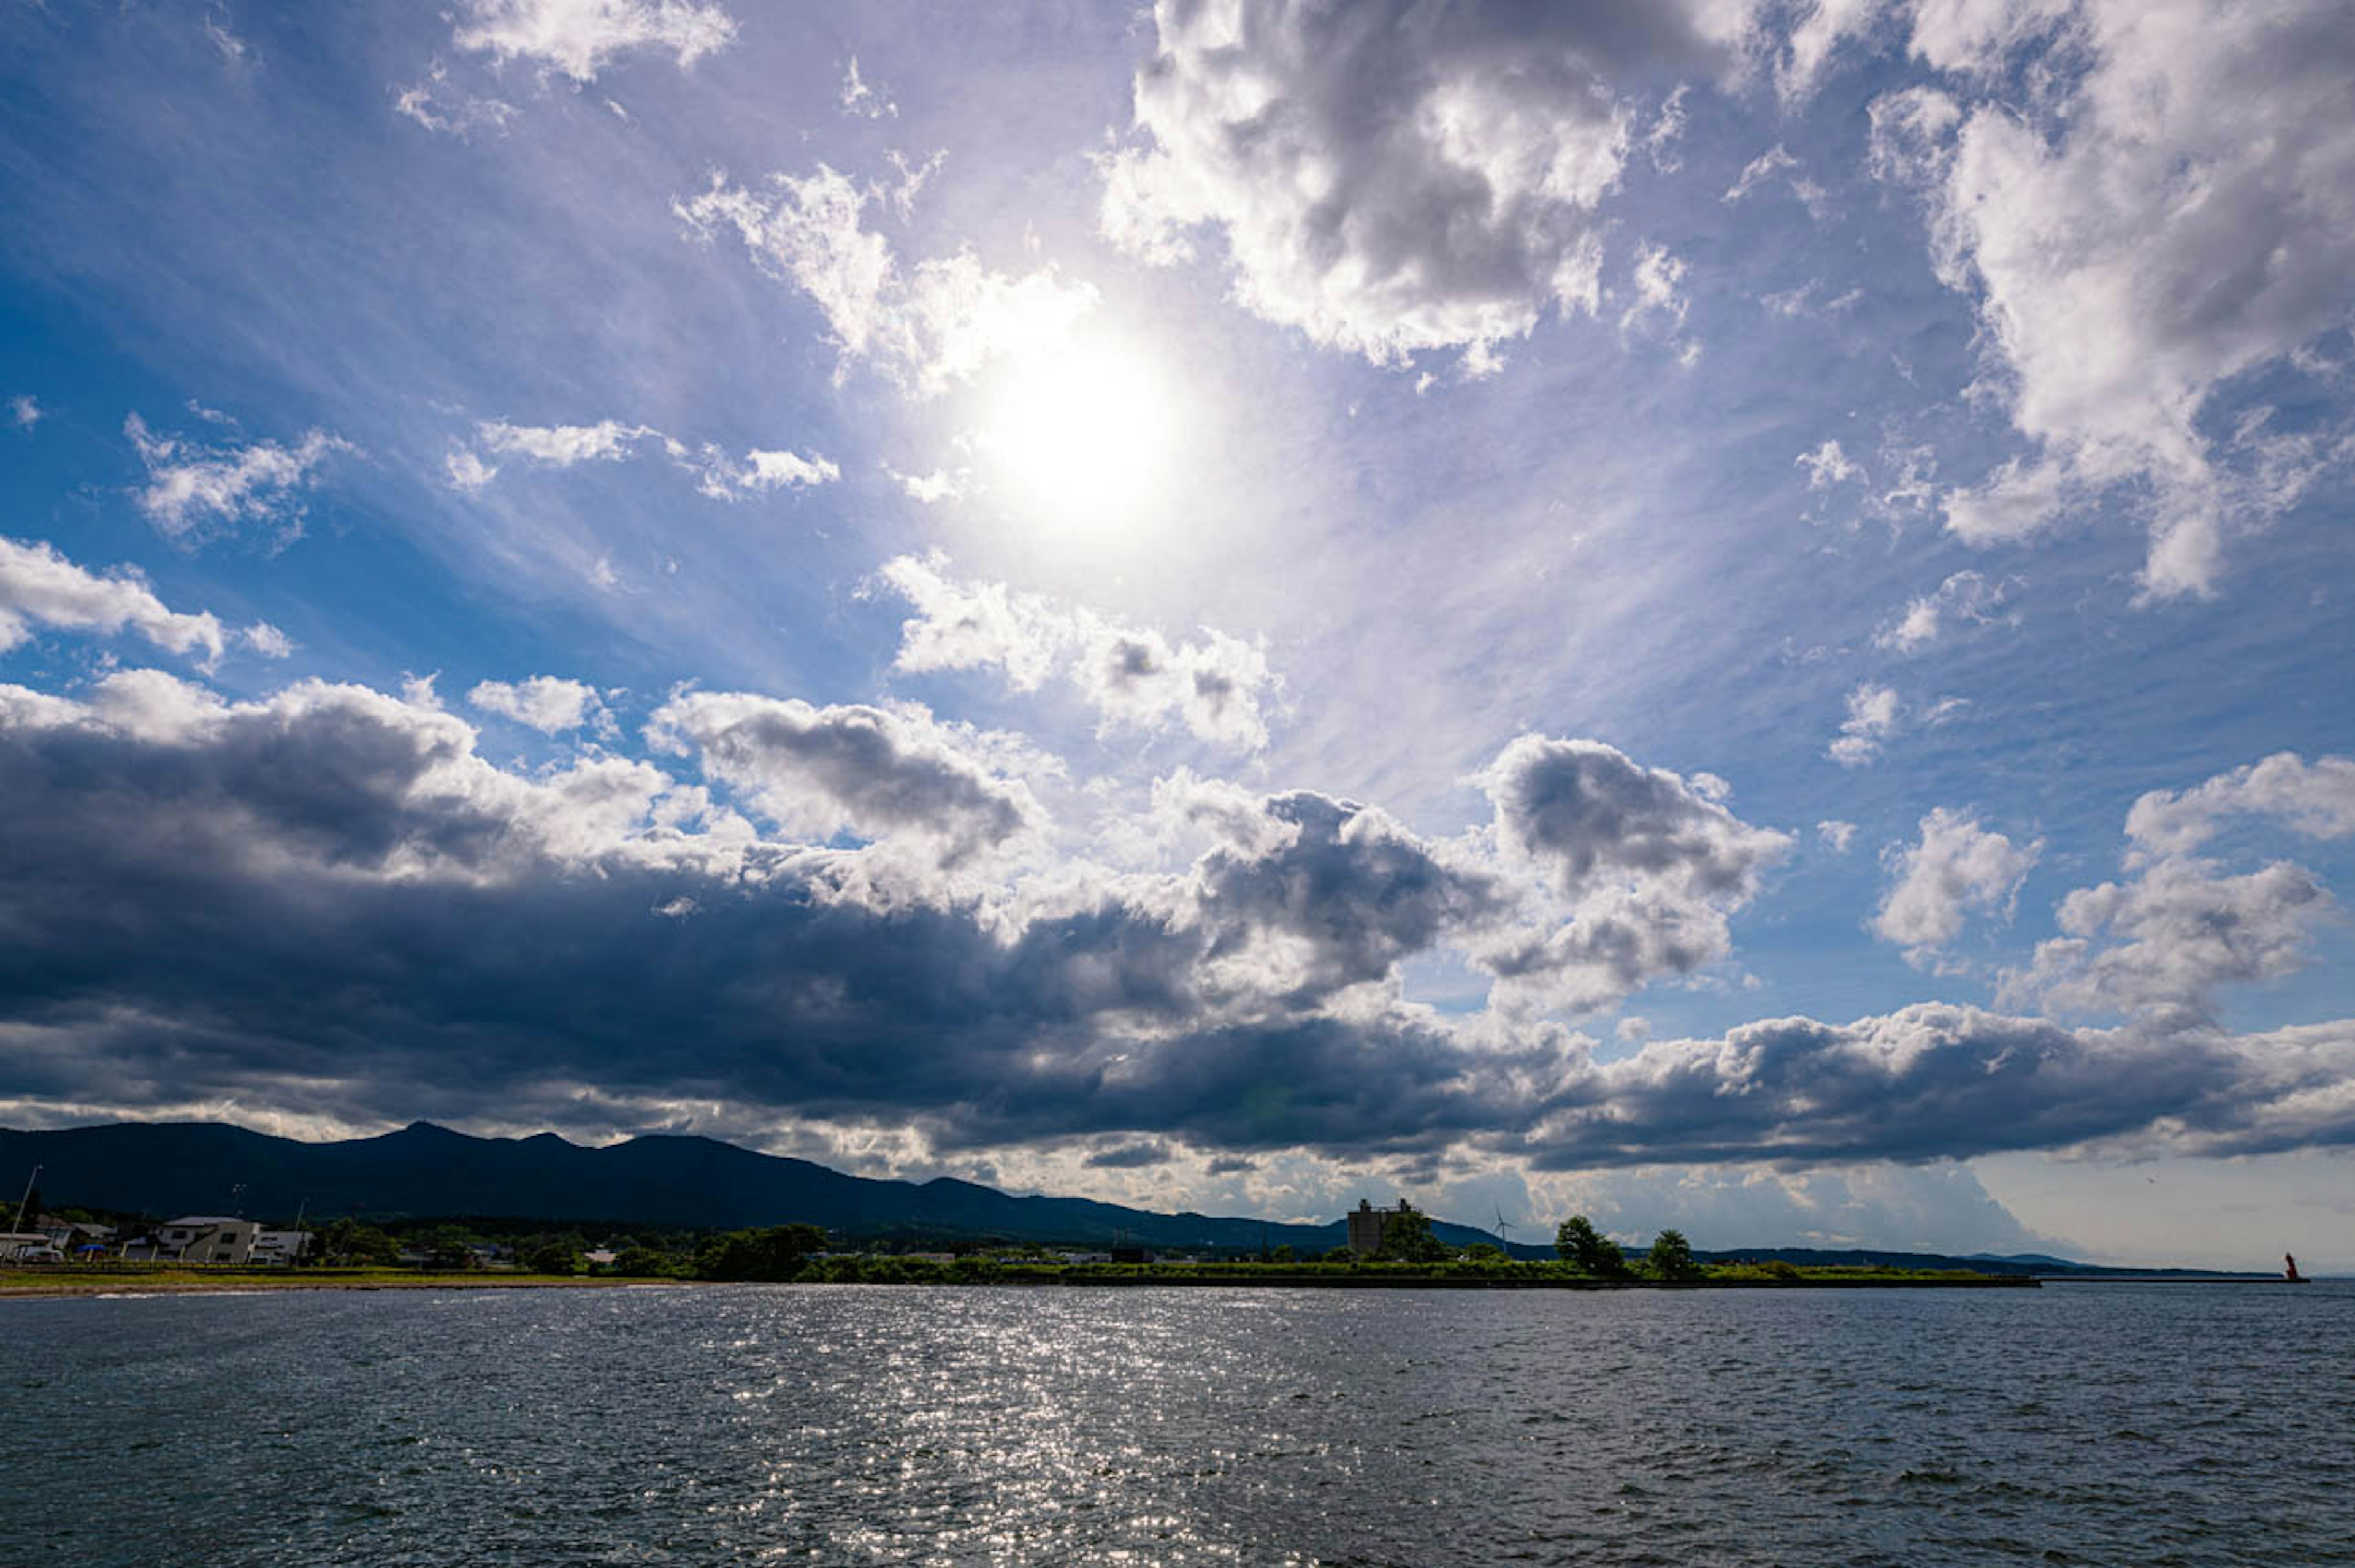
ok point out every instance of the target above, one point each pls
(74, 1281)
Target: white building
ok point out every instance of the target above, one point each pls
(198, 1239)
(281, 1246)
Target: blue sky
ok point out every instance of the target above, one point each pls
(1731, 615)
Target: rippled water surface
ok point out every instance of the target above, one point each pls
(2087, 1424)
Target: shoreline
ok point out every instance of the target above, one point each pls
(120, 1287)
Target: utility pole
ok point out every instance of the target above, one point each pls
(28, 1198)
(300, 1239)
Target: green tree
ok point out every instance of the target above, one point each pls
(1282, 1254)
(1672, 1257)
(447, 1246)
(1588, 1250)
(779, 1252)
(1407, 1238)
(1483, 1252)
(553, 1256)
(642, 1263)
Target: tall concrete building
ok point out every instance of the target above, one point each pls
(1366, 1224)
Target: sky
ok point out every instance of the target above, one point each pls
(1717, 614)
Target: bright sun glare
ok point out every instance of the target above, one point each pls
(1081, 435)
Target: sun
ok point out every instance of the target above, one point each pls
(1081, 435)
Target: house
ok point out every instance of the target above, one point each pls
(281, 1246)
(197, 1239)
(26, 1246)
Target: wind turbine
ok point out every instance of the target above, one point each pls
(1504, 1231)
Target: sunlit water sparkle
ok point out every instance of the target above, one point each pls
(2126, 1425)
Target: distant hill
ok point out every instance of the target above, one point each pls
(168, 1168)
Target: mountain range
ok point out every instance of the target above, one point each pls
(168, 1168)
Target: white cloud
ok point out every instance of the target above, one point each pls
(562, 445)
(927, 329)
(718, 474)
(1873, 715)
(2317, 800)
(40, 587)
(580, 37)
(723, 478)
(2182, 213)
(1219, 687)
(939, 484)
(468, 471)
(268, 641)
(1964, 596)
(549, 704)
(460, 116)
(1955, 867)
(191, 486)
(2016, 502)
(1777, 162)
(1828, 465)
(864, 100)
(24, 412)
(1836, 835)
(1392, 177)
(1820, 30)
(1654, 279)
(2157, 945)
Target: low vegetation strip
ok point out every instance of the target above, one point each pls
(975, 1270)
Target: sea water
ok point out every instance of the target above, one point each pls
(2090, 1423)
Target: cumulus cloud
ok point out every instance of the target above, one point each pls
(871, 772)
(1636, 869)
(2158, 944)
(926, 329)
(1955, 867)
(1217, 686)
(1393, 178)
(2176, 213)
(1836, 835)
(194, 488)
(581, 37)
(2316, 799)
(25, 413)
(548, 703)
(1966, 596)
(40, 587)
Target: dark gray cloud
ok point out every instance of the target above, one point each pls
(327, 903)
